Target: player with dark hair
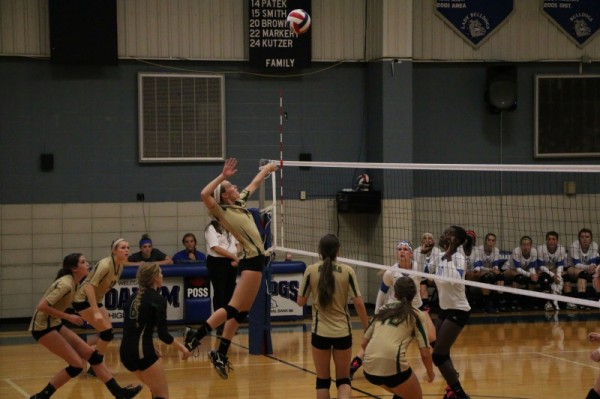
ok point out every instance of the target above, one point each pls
(386, 293)
(47, 329)
(387, 338)
(521, 270)
(551, 262)
(581, 266)
(331, 283)
(425, 255)
(228, 207)
(145, 311)
(455, 308)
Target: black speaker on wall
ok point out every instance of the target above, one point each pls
(47, 162)
(501, 88)
(83, 32)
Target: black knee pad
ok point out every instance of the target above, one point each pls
(231, 312)
(241, 317)
(73, 371)
(396, 397)
(438, 359)
(107, 335)
(342, 381)
(96, 358)
(323, 383)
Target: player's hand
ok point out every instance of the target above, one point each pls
(595, 356)
(76, 319)
(533, 277)
(229, 167)
(98, 316)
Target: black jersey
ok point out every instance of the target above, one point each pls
(137, 348)
(153, 314)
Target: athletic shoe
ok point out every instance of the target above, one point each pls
(451, 395)
(571, 306)
(191, 338)
(548, 307)
(355, 365)
(129, 392)
(220, 363)
(91, 372)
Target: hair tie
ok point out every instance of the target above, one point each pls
(145, 241)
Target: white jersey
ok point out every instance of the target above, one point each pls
(452, 295)
(387, 284)
(553, 262)
(523, 265)
(490, 260)
(426, 262)
(577, 257)
(473, 260)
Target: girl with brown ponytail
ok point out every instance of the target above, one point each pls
(331, 283)
(389, 334)
(146, 311)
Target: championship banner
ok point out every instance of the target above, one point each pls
(117, 296)
(272, 45)
(474, 20)
(579, 19)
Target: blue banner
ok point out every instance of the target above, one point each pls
(579, 19)
(474, 20)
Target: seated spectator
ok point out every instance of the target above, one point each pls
(581, 266)
(491, 273)
(148, 254)
(190, 254)
(521, 270)
(551, 262)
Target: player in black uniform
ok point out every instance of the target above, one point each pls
(146, 311)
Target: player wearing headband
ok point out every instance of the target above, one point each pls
(88, 298)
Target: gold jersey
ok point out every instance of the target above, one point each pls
(59, 295)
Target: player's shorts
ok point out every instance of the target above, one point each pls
(39, 334)
(255, 264)
(391, 381)
(130, 356)
(459, 317)
(325, 343)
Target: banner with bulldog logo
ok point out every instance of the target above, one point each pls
(579, 19)
(474, 20)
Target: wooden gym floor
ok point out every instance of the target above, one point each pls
(515, 356)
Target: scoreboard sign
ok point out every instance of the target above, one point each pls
(273, 45)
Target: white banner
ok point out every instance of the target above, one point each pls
(284, 293)
(172, 290)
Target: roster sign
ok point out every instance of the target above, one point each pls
(474, 20)
(273, 45)
(579, 19)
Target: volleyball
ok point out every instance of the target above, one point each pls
(298, 21)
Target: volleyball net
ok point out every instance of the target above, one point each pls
(371, 206)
